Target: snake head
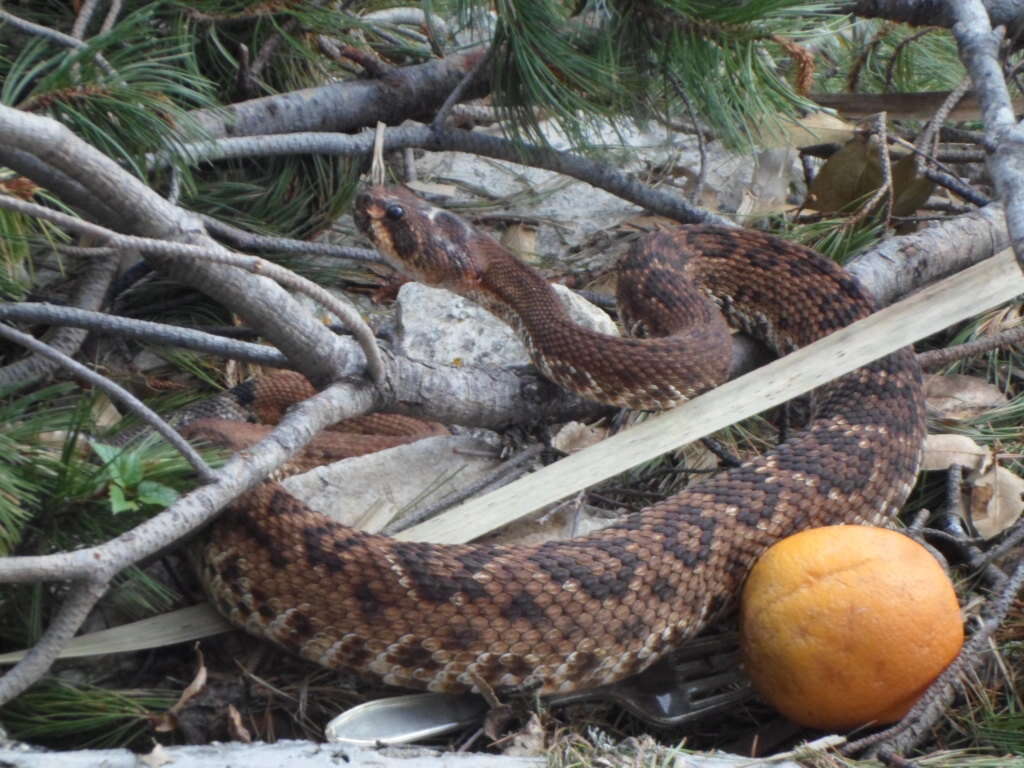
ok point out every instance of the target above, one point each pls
(420, 240)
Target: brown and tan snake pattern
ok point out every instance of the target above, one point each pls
(573, 614)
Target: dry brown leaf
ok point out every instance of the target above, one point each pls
(957, 396)
(996, 500)
(853, 173)
(816, 128)
(531, 741)
(910, 189)
(168, 721)
(943, 451)
(575, 436)
(238, 731)
(846, 178)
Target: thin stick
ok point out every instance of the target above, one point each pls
(937, 357)
(242, 238)
(116, 392)
(52, 34)
(155, 333)
(72, 613)
(470, 78)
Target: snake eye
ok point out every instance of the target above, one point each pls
(394, 211)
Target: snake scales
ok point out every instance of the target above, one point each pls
(569, 615)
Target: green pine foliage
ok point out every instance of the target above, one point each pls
(67, 715)
(60, 491)
(580, 65)
(880, 57)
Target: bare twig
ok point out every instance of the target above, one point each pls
(937, 357)
(83, 18)
(470, 78)
(155, 333)
(89, 295)
(568, 164)
(698, 187)
(80, 599)
(979, 46)
(115, 392)
(244, 239)
(111, 18)
(957, 187)
(55, 35)
(931, 130)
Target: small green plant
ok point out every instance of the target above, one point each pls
(129, 490)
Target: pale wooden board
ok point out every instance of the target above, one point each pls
(192, 623)
(932, 309)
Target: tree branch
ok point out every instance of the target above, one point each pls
(264, 305)
(898, 265)
(90, 294)
(979, 50)
(347, 106)
(254, 264)
(934, 13)
(52, 34)
(155, 333)
(92, 568)
(582, 168)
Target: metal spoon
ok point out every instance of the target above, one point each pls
(701, 678)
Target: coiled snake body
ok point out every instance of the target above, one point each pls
(569, 615)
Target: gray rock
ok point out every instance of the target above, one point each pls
(438, 326)
(368, 491)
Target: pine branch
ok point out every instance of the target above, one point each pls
(144, 213)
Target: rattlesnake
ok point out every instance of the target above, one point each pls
(568, 615)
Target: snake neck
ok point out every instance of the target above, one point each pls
(691, 354)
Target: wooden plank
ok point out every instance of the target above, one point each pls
(932, 309)
(183, 625)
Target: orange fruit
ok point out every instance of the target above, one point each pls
(847, 625)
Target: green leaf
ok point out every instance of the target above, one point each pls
(156, 494)
(129, 469)
(118, 503)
